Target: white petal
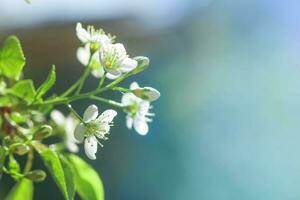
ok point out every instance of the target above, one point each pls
(57, 117)
(82, 34)
(79, 132)
(97, 73)
(140, 125)
(113, 76)
(90, 113)
(134, 85)
(72, 147)
(120, 49)
(83, 54)
(128, 99)
(128, 64)
(107, 116)
(129, 122)
(144, 107)
(70, 126)
(104, 40)
(90, 147)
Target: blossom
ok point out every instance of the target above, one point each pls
(115, 60)
(93, 127)
(84, 54)
(68, 125)
(137, 111)
(91, 35)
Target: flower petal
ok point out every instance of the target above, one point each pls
(128, 64)
(82, 34)
(79, 132)
(58, 117)
(140, 125)
(144, 107)
(134, 85)
(107, 116)
(90, 113)
(83, 54)
(129, 122)
(90, 147)
(120, 49)
(129, 98)
(72, 147)
(113, 76)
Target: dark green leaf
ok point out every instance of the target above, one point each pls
(23, 89)
(12, 59)
(58, 171)
(49, 82)
(2, 158)
(21, 191)
(87, 181)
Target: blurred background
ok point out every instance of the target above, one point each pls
(227, 123)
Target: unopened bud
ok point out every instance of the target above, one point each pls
(143, 63)
(20, 149)
(43, 132)
(147, 93)
(36, 175)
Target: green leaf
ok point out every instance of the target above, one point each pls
(87, 181)
(23, 89)
(49, 82)
(22, 190)
(59, 171)
(12, 59)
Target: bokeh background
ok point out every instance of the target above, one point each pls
(227, 125)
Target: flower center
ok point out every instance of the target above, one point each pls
(91, 128)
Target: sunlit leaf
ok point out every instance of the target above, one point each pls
(21, 191)
(12, 59)
(58, 171)
(87, 181)
(23, 89)
(49, 82)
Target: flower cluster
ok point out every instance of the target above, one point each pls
(106, 59)
(30, 122)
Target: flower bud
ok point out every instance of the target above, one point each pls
(143, 63)
(43, 132)
(20, 149)
(36, 175)
(147, 93)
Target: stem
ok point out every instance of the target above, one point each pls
(107, 101)
(121, 89)
(101, 81)
(80, 81)
(83, 78)
(28, 164)
(74, 112)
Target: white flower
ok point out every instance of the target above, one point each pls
(91, 35)
(115, 60)
(94, 127)
(138, 111)
(68, 125)
(84, 54)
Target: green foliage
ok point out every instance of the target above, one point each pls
(87, 181)
(23, 89)
(49, 82)
(12, 59)
(21, 191)
(58, 171)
